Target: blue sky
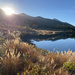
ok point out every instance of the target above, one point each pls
(63, 10)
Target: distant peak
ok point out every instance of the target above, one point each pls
(40, 17)
(22, 14)
(56, 20)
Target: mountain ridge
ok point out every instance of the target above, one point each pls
(38, 22)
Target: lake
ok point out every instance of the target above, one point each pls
(58, 45)
(52, 43)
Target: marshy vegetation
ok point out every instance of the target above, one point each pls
(21, 58)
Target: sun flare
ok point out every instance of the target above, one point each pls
(8, 11)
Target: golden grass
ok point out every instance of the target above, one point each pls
(23, 59)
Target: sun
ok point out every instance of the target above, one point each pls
(8, 11)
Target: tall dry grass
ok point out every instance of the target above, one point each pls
(18, 56)
(23, 59)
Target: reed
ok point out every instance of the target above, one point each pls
(20, 58)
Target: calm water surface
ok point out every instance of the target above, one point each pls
(59, 45)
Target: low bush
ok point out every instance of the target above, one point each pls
(69, 66)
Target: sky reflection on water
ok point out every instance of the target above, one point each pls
(59, 45)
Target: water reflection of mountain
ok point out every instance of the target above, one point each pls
(64, 35)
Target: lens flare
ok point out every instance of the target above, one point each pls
(8, 11)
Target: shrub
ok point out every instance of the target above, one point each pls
(69, 66)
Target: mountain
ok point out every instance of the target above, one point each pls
(24, 20)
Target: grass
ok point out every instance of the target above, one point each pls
(20, 58)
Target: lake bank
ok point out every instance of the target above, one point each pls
(58, 42)
(28, 36)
